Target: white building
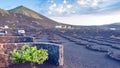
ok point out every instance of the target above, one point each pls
(112, 28)
(63, 27)
(6, 27)
(21, 31)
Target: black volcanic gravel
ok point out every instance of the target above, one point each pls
(77, 56)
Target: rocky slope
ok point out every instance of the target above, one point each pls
(25, 18)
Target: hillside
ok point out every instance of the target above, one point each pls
(26, 11)
(25, 18)
(3, 12)
(118, 23)
(18, 21)
(113, 25)
(42, 20)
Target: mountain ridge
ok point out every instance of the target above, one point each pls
(24, 20)
(45, 21)
(25, 11)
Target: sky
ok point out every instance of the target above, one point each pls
(75, 12)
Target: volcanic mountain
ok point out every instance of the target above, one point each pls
(26, 11)
(25, 18)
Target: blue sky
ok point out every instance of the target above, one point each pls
(76, 12)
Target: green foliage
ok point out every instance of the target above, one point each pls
(29, 54)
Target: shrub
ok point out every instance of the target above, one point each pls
(29, 54)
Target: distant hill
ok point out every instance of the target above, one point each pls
(118, 23)
(105, 26)
(115, 25)
(25, 18)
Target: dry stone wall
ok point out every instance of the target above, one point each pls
(55, 52)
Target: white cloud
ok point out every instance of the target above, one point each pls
(91, 3)
(89, 19)
(60, 9)
(73, 11)
(95, 3)
(52, 6)
(69, 6)
(82, 2)
(82, 7)
(64, 1)
(49, 12)
(51, 1)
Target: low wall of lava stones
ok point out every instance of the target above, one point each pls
(15, 39)
(55, 52)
